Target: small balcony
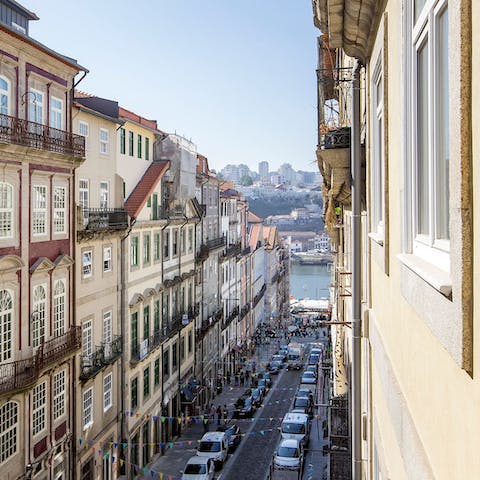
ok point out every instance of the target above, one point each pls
(100, 220)
(21, 374)
(165, 212)
(16, 131)
(104, 355)
(141, 350)
(56, 348)
(214, 243)
(232, 250)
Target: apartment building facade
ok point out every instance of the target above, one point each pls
(101, 223)
(39, 155)
(418, 242)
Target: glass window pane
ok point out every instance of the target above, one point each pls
(442, 160)
(423, 203)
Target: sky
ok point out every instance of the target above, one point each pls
(237, 77)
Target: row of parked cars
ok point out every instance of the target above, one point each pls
(295, 428)
(214, 447)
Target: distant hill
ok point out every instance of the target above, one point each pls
(266, 206)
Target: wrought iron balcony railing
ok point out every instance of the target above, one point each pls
(99, 220)
(232, 250)
(21, 374)
(215, 243)
(104, 355)
(17, 131)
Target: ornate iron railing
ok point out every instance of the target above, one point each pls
(215, 243)
(17, 131)
(104, 355)
(21, 374)
(98, 219)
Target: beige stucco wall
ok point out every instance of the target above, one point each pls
(425, 406)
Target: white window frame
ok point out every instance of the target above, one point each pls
(84, 193)
(56, 113)
(59, 209)
(39, 210)
(9, 415)
(6, 325)
(87, 408)
(107, 332)
(107, 392)
(5, 94)
(87, 338)
(87, 264)
(104, 140)
(107, 259)
(6, 210)
(39, 314)
(59, 308)
(426, 246)
(83, 129)
(59, 399)
(35, 106)
(104, 194)
(39, 404)
(378, 150)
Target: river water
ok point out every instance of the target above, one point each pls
(310, 281)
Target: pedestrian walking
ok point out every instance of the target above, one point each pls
(242, 379)
(219, 414)
(237, 379)
(205, 423)
(225, 414)
(212, 413)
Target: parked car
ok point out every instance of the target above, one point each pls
(289, 454)
(233, 433)
(265, 376)
(199, 468)
(214, 445)
(244, 407)
(303, 405)
(313, 359)
(305, 392)
(311, 368)
(279, 358)
(275, 367)
(316, 351)
(308, 377)
(296, 426)
(256, 394)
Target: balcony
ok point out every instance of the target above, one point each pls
(245, 309)
(104, 355)
(214, 243)
(141, 350)
(228, 320)
(165, 212)
(17, 131)
(101, 220)
(245, 252)
(232, 250)
(259, 295)
(56, 348)
(22, 374)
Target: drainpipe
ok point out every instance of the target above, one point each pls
(356, 279)
(123, 328)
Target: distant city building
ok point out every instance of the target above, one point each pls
(263, 170)
(287, 173)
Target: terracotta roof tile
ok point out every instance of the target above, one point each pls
(254, 236)
(145, 187)
(252, 218)
(123, 112)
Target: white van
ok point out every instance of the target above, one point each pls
(297, 426)
(214, 445)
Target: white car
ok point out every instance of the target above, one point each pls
(289, 454)
(214, 445)
(199, 468)
(308, 377)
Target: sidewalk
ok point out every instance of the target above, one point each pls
(173, 461)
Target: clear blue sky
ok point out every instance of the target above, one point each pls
(235, 76)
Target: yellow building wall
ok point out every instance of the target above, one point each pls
(436, 397)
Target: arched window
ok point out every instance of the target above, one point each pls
(59, 308)
(8, 430)
(6, 314)
(6, 210)
(4, 96)
(38, 315)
